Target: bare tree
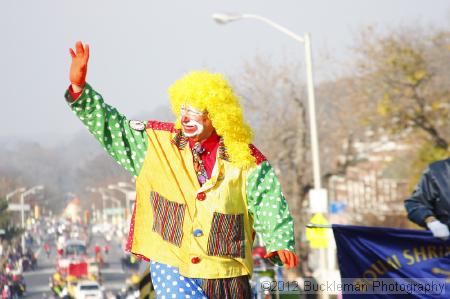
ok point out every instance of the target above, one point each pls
(403, 77)
(272, 97)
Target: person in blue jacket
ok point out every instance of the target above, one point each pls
(429, 203)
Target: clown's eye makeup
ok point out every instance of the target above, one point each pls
(190, 111)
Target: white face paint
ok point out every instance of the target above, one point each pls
(194, 122)
(192, 128)
(191, 111)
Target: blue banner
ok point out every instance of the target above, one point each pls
(380, 262)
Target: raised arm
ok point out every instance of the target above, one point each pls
(125, 141)
(78, 68)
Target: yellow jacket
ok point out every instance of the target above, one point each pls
(206, 231)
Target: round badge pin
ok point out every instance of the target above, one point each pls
(137, 125)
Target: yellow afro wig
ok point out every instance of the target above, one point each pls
(212, 93)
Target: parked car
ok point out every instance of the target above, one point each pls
(87, 289)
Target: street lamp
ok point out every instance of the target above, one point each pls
(116, 214)
(126, 185)
(11, 194)
(22, 209)
(114, 200)
(318, 197)
(103, 195)
(130, 195)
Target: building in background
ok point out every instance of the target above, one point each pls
(371, 191)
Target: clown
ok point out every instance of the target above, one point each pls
(202, 188)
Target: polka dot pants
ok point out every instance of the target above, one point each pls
(168, 283)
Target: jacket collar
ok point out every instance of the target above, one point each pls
(180, 140)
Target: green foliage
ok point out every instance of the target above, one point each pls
(427, 154)
(4, 214)
(404, 77)
(11, 231)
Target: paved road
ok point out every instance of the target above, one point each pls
(113, 275)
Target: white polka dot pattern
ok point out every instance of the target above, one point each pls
(174, 285)
(269, 208)
(129, 146)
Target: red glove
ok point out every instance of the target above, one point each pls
(78, 68)
(289, 259)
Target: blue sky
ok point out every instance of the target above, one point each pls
(138, 48)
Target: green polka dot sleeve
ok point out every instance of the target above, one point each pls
(266, 202)
(126, 145)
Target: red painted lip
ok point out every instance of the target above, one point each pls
(189, 129)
